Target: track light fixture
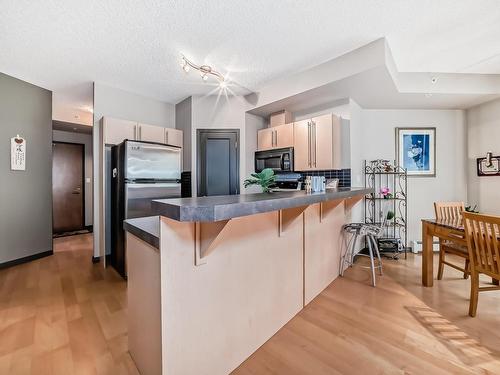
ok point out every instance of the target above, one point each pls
(205, 70)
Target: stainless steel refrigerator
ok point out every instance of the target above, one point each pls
(141, 172)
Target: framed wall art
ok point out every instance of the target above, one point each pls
(416, 151)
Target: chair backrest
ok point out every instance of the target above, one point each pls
(449, 210)
(483, 240)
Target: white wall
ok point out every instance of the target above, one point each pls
(377, 135)
(86, 140)
(113, 102)
(483, 134)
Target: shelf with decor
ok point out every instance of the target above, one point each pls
(387, 206)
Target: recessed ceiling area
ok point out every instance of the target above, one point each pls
(65, 46)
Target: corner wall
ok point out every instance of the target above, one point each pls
(26, 196)
(483, 135)
(377, 135)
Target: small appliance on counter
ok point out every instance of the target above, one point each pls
(141, 172)
(279, 160)
(288, 182)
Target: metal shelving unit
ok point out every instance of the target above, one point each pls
(381, 174)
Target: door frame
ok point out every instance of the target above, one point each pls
(82, 145)
(199, 133)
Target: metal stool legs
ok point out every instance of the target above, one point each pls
(347, 258)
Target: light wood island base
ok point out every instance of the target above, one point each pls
(219, 306)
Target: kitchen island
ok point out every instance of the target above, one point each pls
(212, 278)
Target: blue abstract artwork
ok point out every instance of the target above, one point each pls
(416, 152)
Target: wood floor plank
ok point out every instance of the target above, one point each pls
(65, 315)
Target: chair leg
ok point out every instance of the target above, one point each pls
(495, 281)
(372, 262)
(441, 264)
(474, 293)
(467, 270)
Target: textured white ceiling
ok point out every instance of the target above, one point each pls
(64, 45)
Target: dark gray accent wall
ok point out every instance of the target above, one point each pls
(183, 121)
(25, 196)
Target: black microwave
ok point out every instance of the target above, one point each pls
(279, 160)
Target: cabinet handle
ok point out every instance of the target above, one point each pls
(135, 132)
(140, 133)
(166, 137)
(276, 137)
(315, 143)
(309, 144)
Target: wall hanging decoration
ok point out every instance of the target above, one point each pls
(18, 153)
(489, 165)
(416, 151)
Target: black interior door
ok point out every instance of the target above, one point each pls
(218, 162)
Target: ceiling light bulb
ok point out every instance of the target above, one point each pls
(204, 77)
(434, 80)
(223, 84)
(186, 68)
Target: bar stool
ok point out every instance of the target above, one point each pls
(353, 231)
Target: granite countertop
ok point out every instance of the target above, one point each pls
(145, 228)
(216, 208)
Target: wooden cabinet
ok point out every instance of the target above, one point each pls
(317, 143)
(265, 139)
(302, 143)
(275, 137)
(173, 137)
(116, 131)
(151, 133)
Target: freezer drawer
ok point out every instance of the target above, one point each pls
(152, 161)
(138, 197)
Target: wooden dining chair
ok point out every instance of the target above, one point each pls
(483, 242)
(452, 212)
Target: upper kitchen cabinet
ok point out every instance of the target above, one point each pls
(116, 131)
(318, 143)
(173, 137)
(151, 133)
(275, 137)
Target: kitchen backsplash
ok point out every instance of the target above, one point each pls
(344, 175)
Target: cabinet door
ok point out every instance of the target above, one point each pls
(265, 139)
(322, 144)
(151, 133)
(301, 144)
(283, 135)
(116, 130)
(173, 137)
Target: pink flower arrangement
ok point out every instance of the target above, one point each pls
(386, 192)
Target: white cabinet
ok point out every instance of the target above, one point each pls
(150, 133)
(275, 137)
(173, 137)
(318, 143)
(116, 131)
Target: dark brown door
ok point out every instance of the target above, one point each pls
(67, 186)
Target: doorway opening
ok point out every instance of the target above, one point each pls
(218, 162)
(71, 179)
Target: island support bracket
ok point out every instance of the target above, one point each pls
(328, 206)
(351, 201)
(207, 237)
(288, 216)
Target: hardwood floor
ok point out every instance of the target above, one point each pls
(65, 315)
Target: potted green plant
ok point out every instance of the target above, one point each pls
(265, 179)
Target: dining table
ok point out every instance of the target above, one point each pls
(446, 229)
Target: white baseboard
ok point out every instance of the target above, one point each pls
(416, 246)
